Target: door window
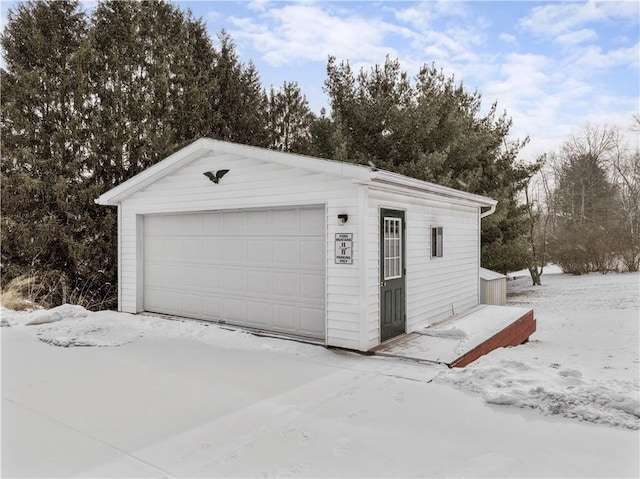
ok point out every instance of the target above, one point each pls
(392, 248)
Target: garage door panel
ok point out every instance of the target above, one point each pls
(234, 310)
(211, 279)
(286, 222)
(211, 225)
(154, 275)
(259, 268)
(212, 250)
(154, 246)
(191, 225)
(190, 277)
(233, 224)
(313, 222)
(259, 221)
(284, 317)
(234, 250)
(259, 251)
(312, 287)
(173, 249)
(192, 304)
(312, 322)
(259, 282)
(286, 285)
(191, 250)
(233, 280)
(285, 252)
(312, 253)
(259, 314)
(211, 307)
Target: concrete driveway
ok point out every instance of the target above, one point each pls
(179, 407)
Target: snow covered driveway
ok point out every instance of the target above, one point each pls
(158, 398)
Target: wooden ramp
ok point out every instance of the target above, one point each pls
(463, 338)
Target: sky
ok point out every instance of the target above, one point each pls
(553, 66)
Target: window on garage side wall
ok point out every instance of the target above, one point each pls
(436, 241)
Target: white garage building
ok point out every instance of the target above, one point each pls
(339, 253)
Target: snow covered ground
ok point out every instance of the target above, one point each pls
(114, 395)
(584, 360)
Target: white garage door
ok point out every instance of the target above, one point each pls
(263, 269)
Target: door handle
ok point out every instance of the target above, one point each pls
(383, 284)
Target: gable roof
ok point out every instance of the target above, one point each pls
(361, 174)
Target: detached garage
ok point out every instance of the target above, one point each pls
(337, 253)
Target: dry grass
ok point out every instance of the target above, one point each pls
(20, 293)
(53, 289)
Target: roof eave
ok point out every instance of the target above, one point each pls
(386, 177)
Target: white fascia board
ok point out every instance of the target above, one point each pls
(394, 179)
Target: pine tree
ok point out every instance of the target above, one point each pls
(586, 201)
(289, 119)
(241, 103)
(42, 148)
(431, 129)
(86, 106)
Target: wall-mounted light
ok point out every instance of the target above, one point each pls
(342, 219)
(217, 176)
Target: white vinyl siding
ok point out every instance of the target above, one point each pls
(267, 180)
(435, 289)
(252, 183)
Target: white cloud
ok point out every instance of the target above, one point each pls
(593, 57)
(508, 38)
(295, 33)
(576, 37)
(556, 19)
(422, 14)
(258, 5)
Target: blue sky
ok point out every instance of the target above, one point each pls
(553, 66)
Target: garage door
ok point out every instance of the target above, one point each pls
(262, 269)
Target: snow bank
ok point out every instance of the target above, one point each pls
(552, 390)
(74, 326)
(583, 361)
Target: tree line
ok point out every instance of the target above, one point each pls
(583, 206)
(89, 100)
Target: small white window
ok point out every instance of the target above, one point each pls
(436, 241)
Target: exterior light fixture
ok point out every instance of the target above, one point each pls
(342, 219)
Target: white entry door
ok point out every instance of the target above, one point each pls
(262, 269)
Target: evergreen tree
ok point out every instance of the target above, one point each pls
(431, 129)
(86, 106)
(42, 147)
(289, 119)
(586, 201)
(241, 103)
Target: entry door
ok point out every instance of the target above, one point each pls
(392, 274)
